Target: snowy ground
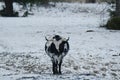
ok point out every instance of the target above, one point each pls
(94, 52)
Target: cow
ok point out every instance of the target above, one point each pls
(56, 48)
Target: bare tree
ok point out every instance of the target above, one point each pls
(8, 7)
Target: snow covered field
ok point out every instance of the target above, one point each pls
(94, 52)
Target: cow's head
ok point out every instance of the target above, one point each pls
(57, 38)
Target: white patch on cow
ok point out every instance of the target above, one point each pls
(57, 58)
(50, 54)
(64, 39)
(63, 54)
(65, 46)
(57, 43)
(49, 43)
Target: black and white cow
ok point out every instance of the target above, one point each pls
(57, 48)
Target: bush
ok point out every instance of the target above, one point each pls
(114, 23)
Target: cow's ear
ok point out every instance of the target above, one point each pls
(46, 38)
(68, 39)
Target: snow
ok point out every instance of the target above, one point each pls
(94, 52)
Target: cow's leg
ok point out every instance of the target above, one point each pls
(60, 67)
(55, 67)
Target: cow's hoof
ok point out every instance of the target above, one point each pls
(59, 73)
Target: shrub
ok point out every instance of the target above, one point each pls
(114, 23)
